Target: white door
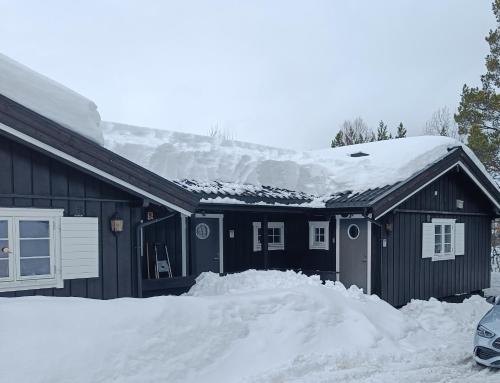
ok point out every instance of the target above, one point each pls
(6, 250)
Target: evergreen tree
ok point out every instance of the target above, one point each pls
(478, 114)
(382, 132)
(353, 132)
(339, 140)
(401, 131)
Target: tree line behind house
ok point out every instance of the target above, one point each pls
(476, 121)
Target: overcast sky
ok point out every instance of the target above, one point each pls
(283, 73)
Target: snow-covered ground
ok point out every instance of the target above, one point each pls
(251, 327)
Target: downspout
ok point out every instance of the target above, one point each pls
(139, 231)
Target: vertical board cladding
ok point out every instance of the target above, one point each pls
(165, 233)
(239, 254)
(28, 173)
(405, 275)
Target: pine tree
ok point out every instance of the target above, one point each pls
(401, 131)
(339, 140)
(382, 133)
(478, 114)
(353, 132)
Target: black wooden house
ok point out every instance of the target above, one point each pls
(79, 220)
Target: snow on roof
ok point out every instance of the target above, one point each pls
(320, 173)
(49, 98)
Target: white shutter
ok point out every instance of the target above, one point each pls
(459, 238)
(427, 240)
(80, 247)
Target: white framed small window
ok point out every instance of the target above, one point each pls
(319, 235)
(275, 236)
(443, 239)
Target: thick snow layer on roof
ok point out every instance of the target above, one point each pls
(256, 326)
(179, 156)
(49, 98)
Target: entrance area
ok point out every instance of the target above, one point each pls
(353, 252)
(207, 243)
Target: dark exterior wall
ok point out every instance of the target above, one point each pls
(404, 274)
(168, 233)
(29, 173)
(239, 254)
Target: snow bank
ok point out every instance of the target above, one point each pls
(256, 326)
(50, 99)
(178, 156)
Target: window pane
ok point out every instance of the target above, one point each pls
(3, 243)
(35, 248)
(437, 249)
(447, 229)
(34, 229)
(4, 228)
(447, 238)
(447, 248)
(4, 268)
(38, 266)
(437, 229)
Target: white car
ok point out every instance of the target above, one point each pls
(487, 339)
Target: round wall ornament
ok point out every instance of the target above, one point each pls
(202, 231)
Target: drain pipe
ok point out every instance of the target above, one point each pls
(139, 232)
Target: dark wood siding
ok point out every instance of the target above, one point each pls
(239, 254)
(32, 179)
(404, 274)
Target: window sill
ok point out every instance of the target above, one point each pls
(443, 257)
(270, 248)
(30, 284)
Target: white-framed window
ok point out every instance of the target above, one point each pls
(39, 248)
(275, 236)
(319, 235)
(443, 239)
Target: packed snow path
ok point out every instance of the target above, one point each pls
(250, 327)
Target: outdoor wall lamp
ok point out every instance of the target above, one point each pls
(116, 223)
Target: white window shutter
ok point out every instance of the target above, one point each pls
(80, 247)
(459, 238)
(427, 240)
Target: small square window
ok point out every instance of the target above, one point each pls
(318, 235)
(275, 236)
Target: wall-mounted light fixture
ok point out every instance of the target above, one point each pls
(388, 227)
(116, 223)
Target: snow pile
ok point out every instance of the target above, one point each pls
(256, 326)
(50, 99)
(179, 156)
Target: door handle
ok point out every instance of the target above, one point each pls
(6, 250)
(364, 260)
(216, 258)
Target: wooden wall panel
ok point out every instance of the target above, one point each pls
(58, 185)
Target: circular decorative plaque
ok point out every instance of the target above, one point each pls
(202, 231)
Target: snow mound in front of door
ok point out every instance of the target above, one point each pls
(255, 326)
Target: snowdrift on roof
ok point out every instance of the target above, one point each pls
(256, 326)
(178, 156)
(50, 99)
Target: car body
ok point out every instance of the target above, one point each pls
(487, 339)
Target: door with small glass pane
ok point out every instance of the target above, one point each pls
(34, 250)
(6, 251)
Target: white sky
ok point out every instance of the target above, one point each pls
(284, 73)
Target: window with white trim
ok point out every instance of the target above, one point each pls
(37, 247)
(319, 235)
(275, 236)
(443, 239)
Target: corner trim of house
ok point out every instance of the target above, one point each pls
(369, 259)
(91, 168)
(183, 245)
(337, 246)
